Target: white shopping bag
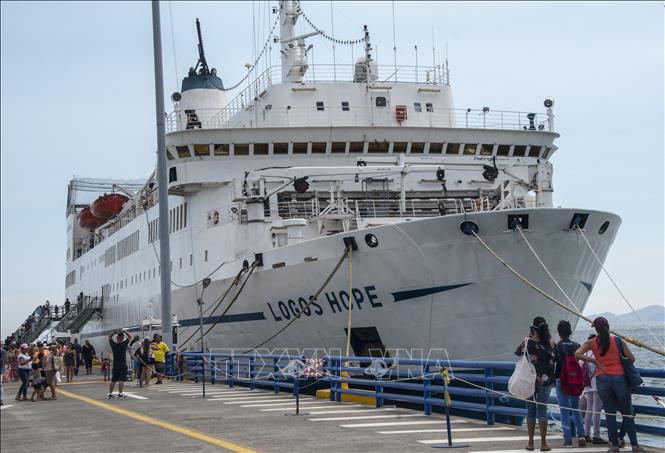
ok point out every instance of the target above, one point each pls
(522, 383)
(57, 376)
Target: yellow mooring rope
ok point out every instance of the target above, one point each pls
(637, 342)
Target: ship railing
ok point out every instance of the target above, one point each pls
(284, 116)
(478, 389)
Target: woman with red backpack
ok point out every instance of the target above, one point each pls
(612, 380)
(569, 385)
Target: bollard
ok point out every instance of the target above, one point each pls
(446, 405)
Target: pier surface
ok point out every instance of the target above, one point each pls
(174, 417)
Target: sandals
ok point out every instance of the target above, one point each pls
(528, 448)
(545, 449)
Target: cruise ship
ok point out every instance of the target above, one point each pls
(311, 165)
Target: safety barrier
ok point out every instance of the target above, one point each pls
(477, 387)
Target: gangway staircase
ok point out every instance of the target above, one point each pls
(37, 329)
(80, 313)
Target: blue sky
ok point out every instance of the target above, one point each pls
(78, 99)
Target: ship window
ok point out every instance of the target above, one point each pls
(205, 256)
(180, 263)
(546, 154)
(280, 148)
(338, 147)
(191, 259)
(169, 156)
(519, 150)
(417, 148)
(241, 149)
(183, 151)
(502, 150)
(381, 101)
(319, 147)
(435, 148)
(470, 149)
(345, 106)
(417, 107)
(201, 150)
(221, 150)
(299, 148)
(486, 150)
(378, 147)
(534, 151)
(319, 106)
(356, 147)
(453, 148)
(260, 149)
(399, 147)
(173, 174)
(429, 107)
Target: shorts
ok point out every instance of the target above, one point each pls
(38, 387)
(119, 375)
(159, 368)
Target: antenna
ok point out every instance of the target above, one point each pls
(433, 57)
(394, 42)
(202, 57)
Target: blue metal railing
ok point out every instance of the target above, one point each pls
(412, 381)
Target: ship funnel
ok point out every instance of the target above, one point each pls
(202, 94)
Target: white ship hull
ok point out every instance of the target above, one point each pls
(426, 287)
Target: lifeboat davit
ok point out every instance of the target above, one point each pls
(88, 220)
(107, 206)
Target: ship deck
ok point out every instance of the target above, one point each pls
(174, 417)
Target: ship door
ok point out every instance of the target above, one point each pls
(380, 108)
(106, 292)
(366, 342)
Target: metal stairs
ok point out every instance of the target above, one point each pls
(80, 313)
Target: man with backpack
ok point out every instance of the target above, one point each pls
(569, 386)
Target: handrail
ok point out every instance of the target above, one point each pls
(417, 383)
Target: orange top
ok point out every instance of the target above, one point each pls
(611, 361)
(36, 356)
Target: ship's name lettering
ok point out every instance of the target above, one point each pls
(333, 301)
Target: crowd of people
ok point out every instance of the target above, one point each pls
(587, 378)
(32, 322)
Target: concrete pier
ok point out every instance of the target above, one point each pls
(174, 417)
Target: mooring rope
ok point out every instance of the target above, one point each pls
(629, 339)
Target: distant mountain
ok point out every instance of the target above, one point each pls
(653, 314)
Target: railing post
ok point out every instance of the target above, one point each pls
(252, 382)
(378, 390)
(332, 377)
(489, 396)
(275, 370)
(338, 394)
(427, 391)
(213, 369)
(230, 376)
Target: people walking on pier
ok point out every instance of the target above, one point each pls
(146, 360)
(12, 358)
(593, 404)
(569, 385)
(3, 361)
(542, 353)
(159, 349)
(119, 370)
(24, 367)
(70, 363)
(52, 364)
(88, 352)
(38, 383)
(79, 355)
(611, 381)
(105, 366)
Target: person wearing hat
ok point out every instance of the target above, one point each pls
(24, 368)
(611, 381)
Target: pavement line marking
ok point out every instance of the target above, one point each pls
(253, 399)
(380, 424)
(281, 407)
(479, 439)
(135, 396)
(343, 411)
(288, 403)
(7, 406)
(82, 382)
(455, 430)
(554, 450)
(162, 424)
(364, 417)
(215, 392)
(236, 397)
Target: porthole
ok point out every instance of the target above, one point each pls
(469, 228)
(371, 240)
(603, 227)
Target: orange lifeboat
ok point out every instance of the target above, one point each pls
(88, 220)
(107, 206)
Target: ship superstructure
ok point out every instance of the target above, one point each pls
(311, 158)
